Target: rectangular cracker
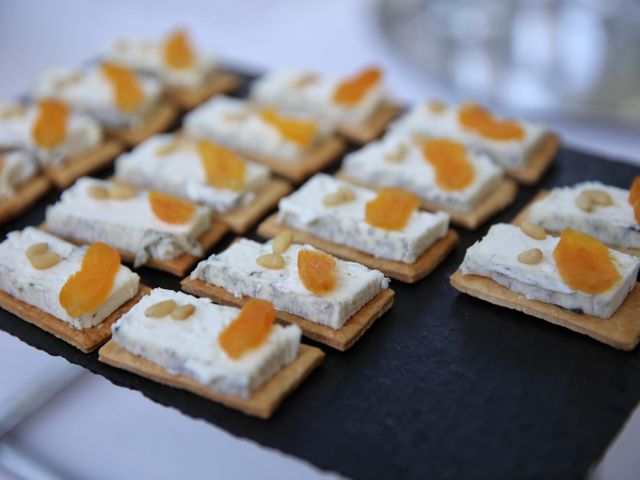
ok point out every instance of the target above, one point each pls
(178, 266)
(621, 331)
(262, 403)
(405, 272)
(499, 199)
(240, 220)
(87, 339)
(373, 127)
(340, 339)
(160, 119)
(524, 214)
(538, 161)
(84, 163)
(24, 197)
(318, 158)
(218, 82)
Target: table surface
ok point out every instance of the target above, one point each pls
(115, 411)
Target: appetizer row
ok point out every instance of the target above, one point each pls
(84, 295)
(581, 273)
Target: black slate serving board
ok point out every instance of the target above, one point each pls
(443, 386)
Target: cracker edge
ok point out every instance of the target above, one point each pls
(524, 214)
(621, 330)
(85, 340)
(24, 197)
(84, 163)
(404, 272)
(341, 339)
(538, 161)
(499, 199)
(242, 219)
(374, 126)
(178, 266)
(218, 82)
(318, 158)
(160, 119)
(262, 403)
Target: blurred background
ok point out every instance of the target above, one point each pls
(574, 64)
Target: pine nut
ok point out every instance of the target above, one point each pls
(435, 106)
(533, 230)
(599, 197)
(36, 249)
(343, 195)
(397, 155)
(274, 261)
(583, 202)
(120, 191)
(183, 312)
(98, 192)
(45, 260)
(531, 257)
(167, 149)
(282, 241)
(160, 309)
(305, 80)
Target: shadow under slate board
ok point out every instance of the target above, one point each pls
(442, 386)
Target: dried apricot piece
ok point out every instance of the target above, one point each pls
(249, 330)
(90, 286)
(449, 160)
(50, 127)
(222, 166)
(170, 209)
(352, 90)
(634, 193)
(178, 52)
(481, 121)
(584, 263)
(317, 271)
(128, 93)
(301, 132)
(391, 209)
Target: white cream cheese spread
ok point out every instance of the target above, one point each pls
(398, 162)
(172, 164)
(128, 224)
(16, 131)
(496, 257)
(236, 271)
(191, 346)
(89, 91)
(444, 122)
(41, 288)
(613, 224)
(286, 89)
(16, 167)
(345, 224)
(237, 124)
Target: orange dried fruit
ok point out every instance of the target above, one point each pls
(352, 90)
(249, 330)
(481, 121)
(50, 127)
(301, 132)
(178, 52)
(89, 287)
(636, 210)
(584, 263)
(391, 209)
(222, 166)
(128, 92)
(170, 209)
(317, 271)
(634, 193)
(450, 162)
